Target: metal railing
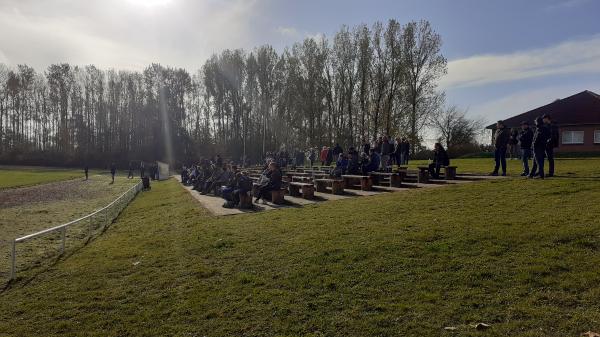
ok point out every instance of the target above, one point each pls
(108, 213)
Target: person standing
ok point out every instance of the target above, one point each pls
(405, 151)
(501, 138)
(366, 146)
(525, 139)
(323, 155)
(337, 149)
(552, 143)
(113, 171)
(130, 173)
(386, 151)
(86, 169)
(540, 140)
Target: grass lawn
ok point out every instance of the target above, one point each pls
(13, 177)
(521, 255)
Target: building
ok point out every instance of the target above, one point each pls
(578, 119)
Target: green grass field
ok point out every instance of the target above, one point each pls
(30, 209)
(13, 177)
(521, 255)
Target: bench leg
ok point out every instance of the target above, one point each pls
(395, 181)
(321, 187)
(423, 177)
(366, 184)
(337, 187)
(451, 173)
(308, 192)
(277, 197)
(294, 191)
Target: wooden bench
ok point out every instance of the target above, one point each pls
(277, 196)
(366, 182)
(395, 178)
(450, 172)
(423, 176)
(308, 190)
(337, 186)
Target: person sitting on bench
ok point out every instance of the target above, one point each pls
(440, 158)
(209, 183)
(270, 180)
(341, 166)
(241, 184)
(373, 164)
(353, 161)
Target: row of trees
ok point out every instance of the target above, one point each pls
(363, 82)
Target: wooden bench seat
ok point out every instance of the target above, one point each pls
(366, 182)
(337, 186)
(308, 190)
(277, 196)
(395, 178)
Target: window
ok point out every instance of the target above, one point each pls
(572, 137)
(597, 137)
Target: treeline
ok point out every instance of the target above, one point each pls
(363, 82)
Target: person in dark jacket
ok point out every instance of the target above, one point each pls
(113, 171)
(366, 146)
(373, 162)
(405, 151)
(440, 158)
(552, 143)
(86, 170)
(337, 149)
(386, 151)
(540, 140)
(329, 158)
(271, 181)
(501, 138)
(525, 140)
(353, 162)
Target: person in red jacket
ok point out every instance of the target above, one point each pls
(323, 156)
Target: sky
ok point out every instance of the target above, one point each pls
(504, 56)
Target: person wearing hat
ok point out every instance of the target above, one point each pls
(501, 138)
(552, 143)
(540, 139)
(525, 139)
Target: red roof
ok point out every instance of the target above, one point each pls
(581, 108)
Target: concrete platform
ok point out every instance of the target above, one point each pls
(215, 204)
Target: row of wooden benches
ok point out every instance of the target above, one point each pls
(301, 185)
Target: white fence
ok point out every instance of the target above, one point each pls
(107, 214)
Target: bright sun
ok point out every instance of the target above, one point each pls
(150, 3)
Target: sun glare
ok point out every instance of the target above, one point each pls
(150, 3)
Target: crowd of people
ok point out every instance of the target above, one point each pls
(213, 176)
(537, 144)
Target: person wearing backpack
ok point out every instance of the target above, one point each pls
(552, 143)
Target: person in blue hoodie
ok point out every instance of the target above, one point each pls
(341, 166)
(373, 163)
